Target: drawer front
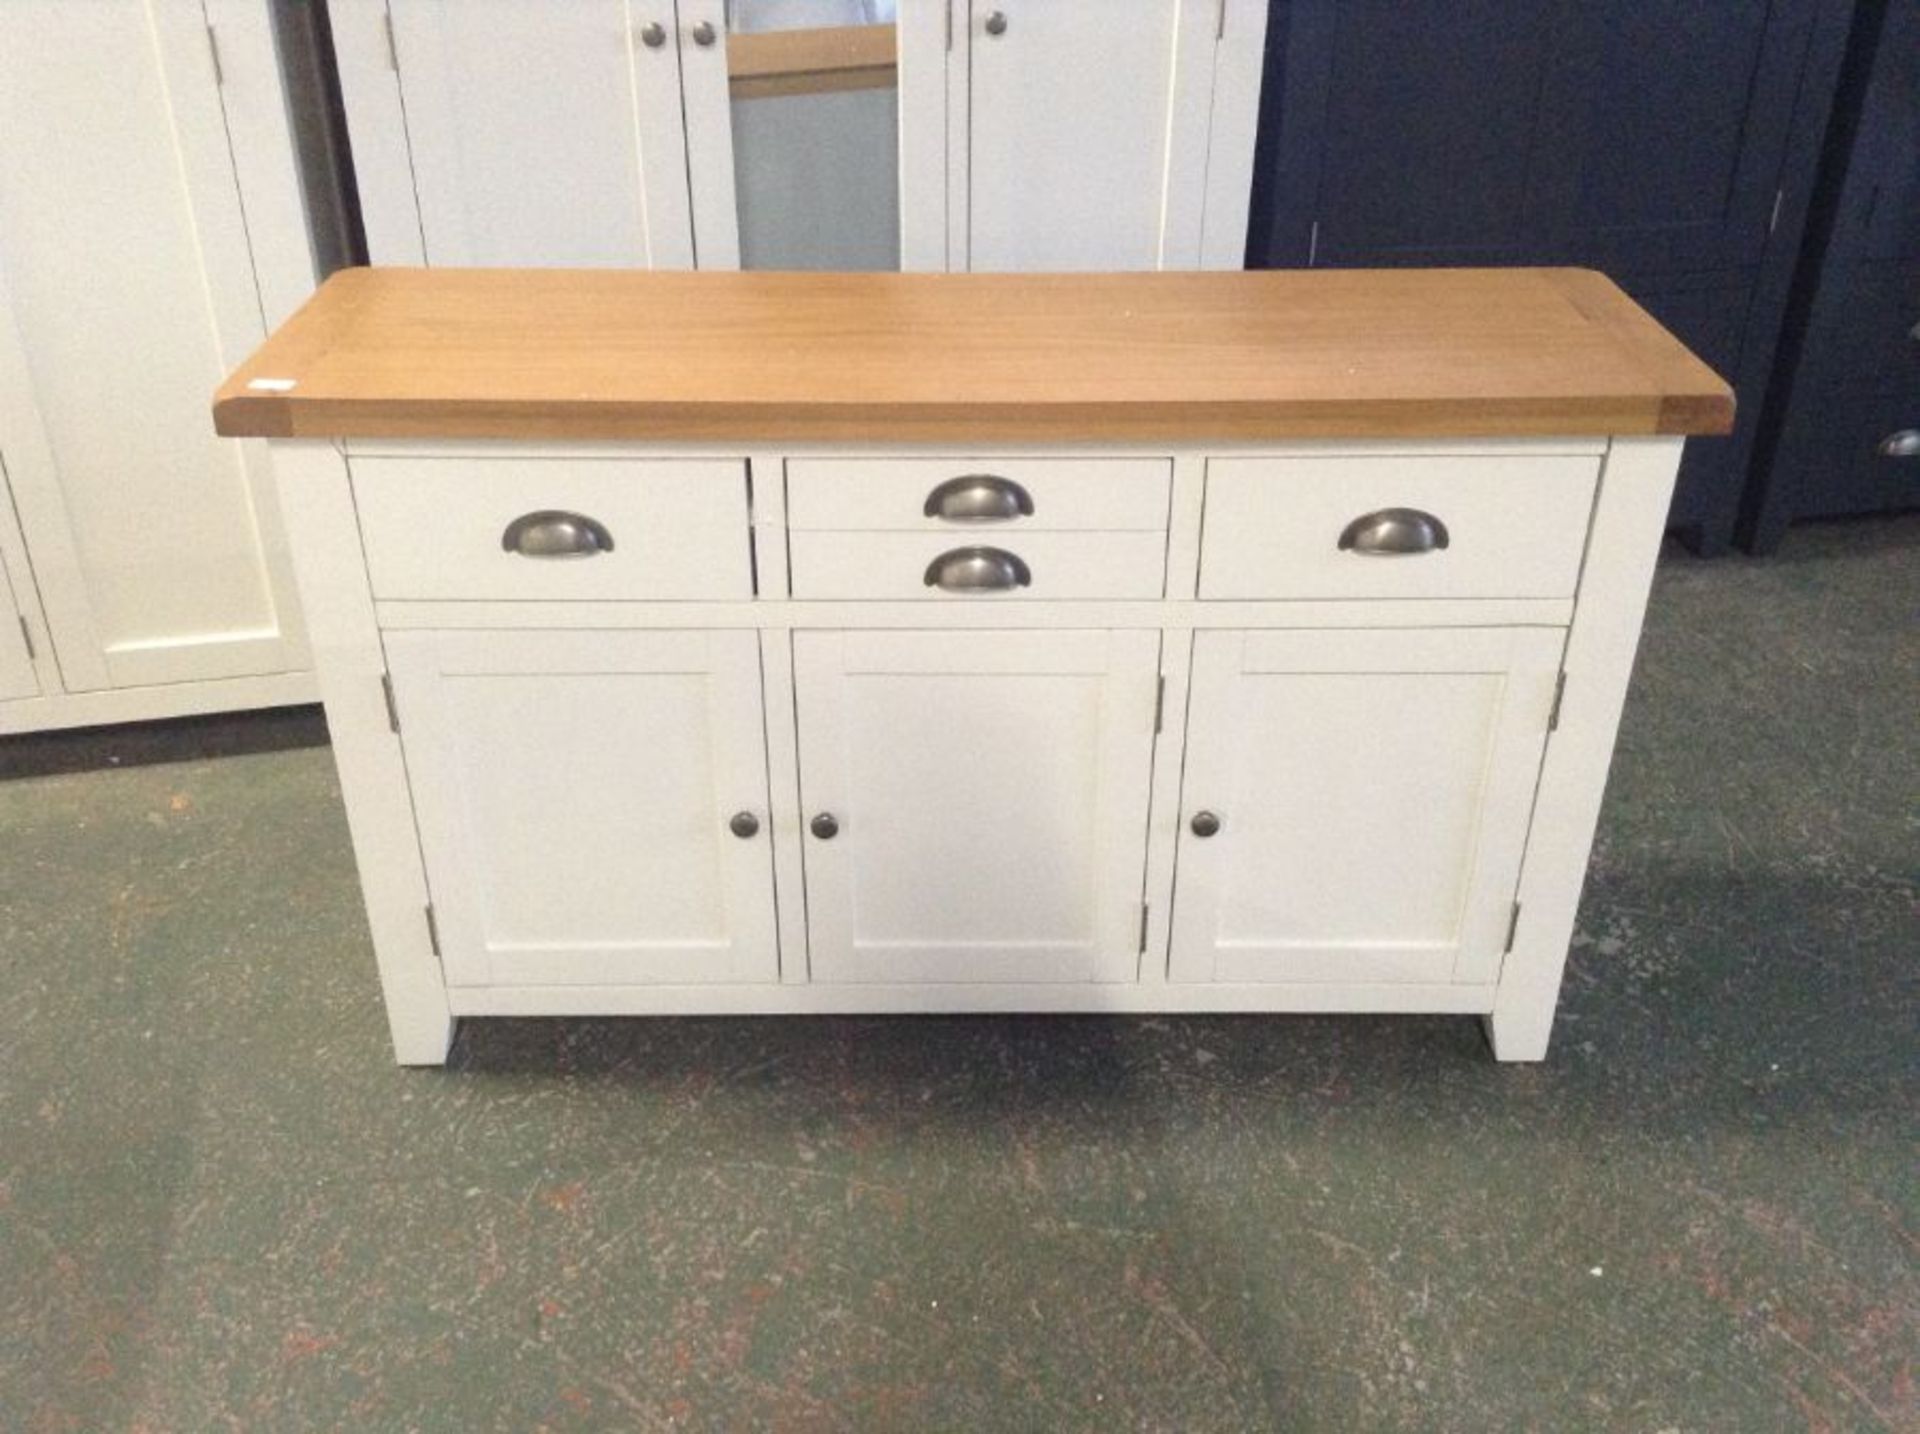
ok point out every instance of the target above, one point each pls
(1013, 566)
(1452, 527)
(512, 528)
(979, 494)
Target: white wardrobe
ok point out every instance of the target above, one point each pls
(151, 231)
(846, 134)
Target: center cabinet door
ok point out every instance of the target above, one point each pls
(1355, 803)
(575, 793)
(545, 132)
(988, 799)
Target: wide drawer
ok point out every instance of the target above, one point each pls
(522, 528)
(1006, 565)
(1395, 527)
(978, 494)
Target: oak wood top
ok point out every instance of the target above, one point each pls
(605, 354)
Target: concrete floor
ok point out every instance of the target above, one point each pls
(220, 1205)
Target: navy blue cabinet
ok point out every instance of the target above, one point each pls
(1670, 144)
(1843, 428)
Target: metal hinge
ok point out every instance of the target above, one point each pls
(1313, 243)
(1559, 694)
(393, 707)
(1160, 706)
(26, 636)
(433, 930)
(1144, 909)
(1513, 926)
(213, 50)
(1773, 220)
(393, 48)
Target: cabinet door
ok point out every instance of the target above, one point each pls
(544, 132)
(1617, 133)
(17, 677)
(574, 792)
(1080, 131)
(127, 290)
(1371, 790)
(990, 794)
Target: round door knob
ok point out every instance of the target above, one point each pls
(703, 33)
(653, 34)
(744, 825)
(826, 826)
(997, 23)
(1204, 824)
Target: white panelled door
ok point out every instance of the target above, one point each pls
(976, 802)
(1087, 133)
(542, 132)
(576, 793)
(127, 290)
(1355, 803)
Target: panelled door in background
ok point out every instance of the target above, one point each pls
(544, 132)
(127, 291)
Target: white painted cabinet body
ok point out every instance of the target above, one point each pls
(645, 133)
(150, 233)
(801, 657)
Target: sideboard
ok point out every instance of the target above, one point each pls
(762, 643)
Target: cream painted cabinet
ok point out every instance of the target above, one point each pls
(773, 645)
(150, 232)
(975, 802)
(1354, 804)
(634, 847)
(803, 134)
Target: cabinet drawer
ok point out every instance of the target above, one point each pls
(666, 528)
(1499, 526)
(1110, 494)
(1053, 565)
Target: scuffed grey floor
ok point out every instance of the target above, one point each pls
(221, 1205)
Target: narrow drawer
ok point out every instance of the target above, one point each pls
(979, 494)
(534, 528)
(1441, 527)
(1019, 566)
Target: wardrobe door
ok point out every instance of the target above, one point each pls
(539, 132)
(1072, 123)
(127, 290)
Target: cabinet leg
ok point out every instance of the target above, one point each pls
(420, 1038)
(1518, 1035)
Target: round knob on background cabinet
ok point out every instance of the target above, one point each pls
(704, 33)
(997, 23)
(653, 34)
(1204, 824)
(825, 825)
(744, 825)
